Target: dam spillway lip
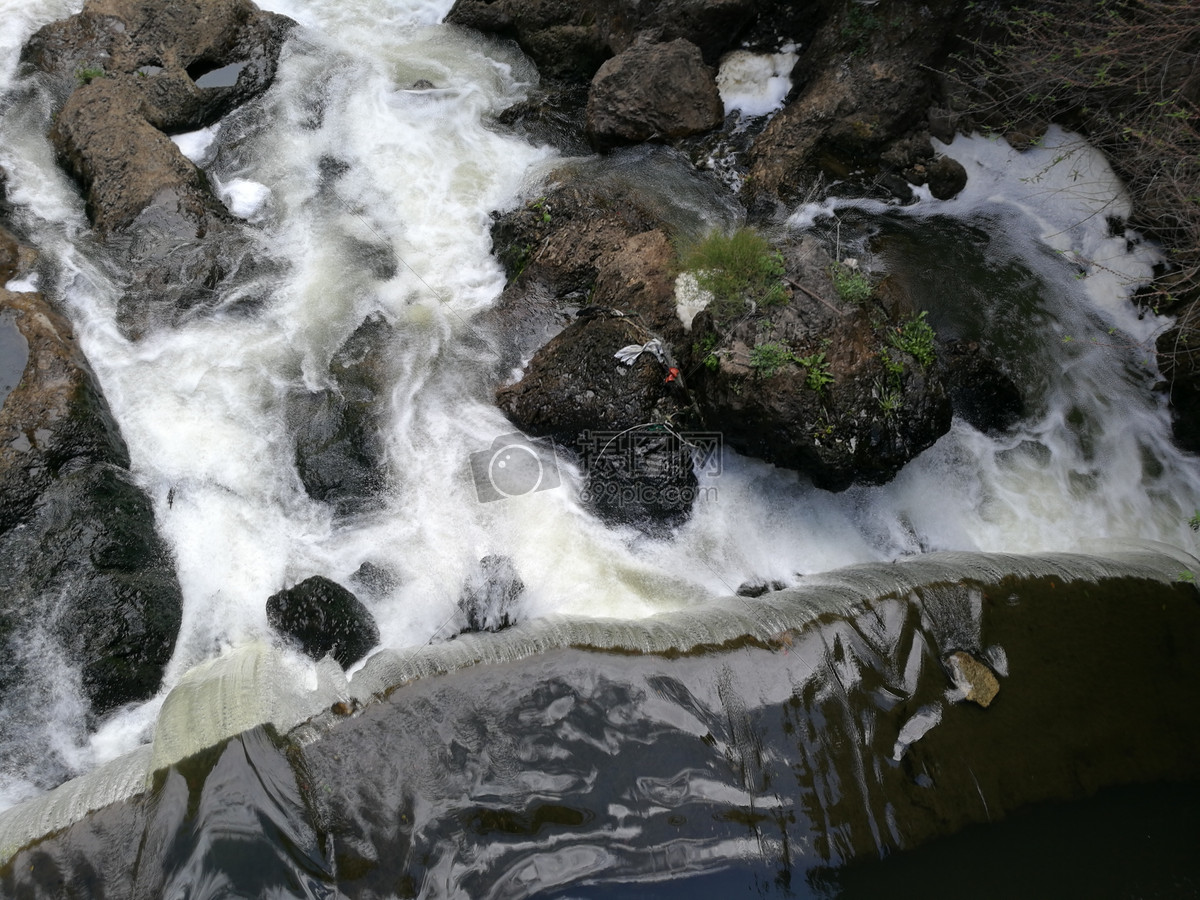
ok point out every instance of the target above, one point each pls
(305, 716)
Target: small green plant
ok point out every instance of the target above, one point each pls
(88, 74)
(915, 337)
(889, 403)
(1194, 521)
(737, 269)
(707, 350)
(542, 208)
(860, 23)
(818, 376)
(767, 359)
(851, 284)
(1187, 576)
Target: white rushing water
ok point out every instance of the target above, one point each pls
(203, 407)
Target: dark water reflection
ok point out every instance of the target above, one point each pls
(781, 767)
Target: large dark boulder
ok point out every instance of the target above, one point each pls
(575, 383)
(325, 619)
(87, 568)
(560, 36)
(864, 81)
(614, 415)
(54, 420)
(569, 40)
(83, 565)
(844, 392)
(125, 74)
(653, 92)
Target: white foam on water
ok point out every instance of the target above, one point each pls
(756, 83)
(244, 198)
(1070, 191)
(197, 145)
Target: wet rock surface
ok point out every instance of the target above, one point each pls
(339, 449)
(83, 565)
(125, 74)
(976, 681)
(826, 386)
(324, 618)
(54, 420)
(87, 568)
(570, 41)
(552, 249)
(981, 392)
(864, 82)
(612, 415)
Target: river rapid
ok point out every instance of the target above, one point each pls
(1031, 260)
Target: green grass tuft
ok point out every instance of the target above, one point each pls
(737, 269)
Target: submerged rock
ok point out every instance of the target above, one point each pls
(981, 392)
(490, 593)
(653, 92)
(339, 449)
(973, 678)
(324, 618)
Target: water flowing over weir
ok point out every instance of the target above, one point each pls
(743, 745)
(369, 195)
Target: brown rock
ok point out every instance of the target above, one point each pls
(126, 73)
(94, 134)
(863, 87)
(946, 177)
(639, 278)
(653, 92)
(973, 678)
(10, 255)
(552, 249)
